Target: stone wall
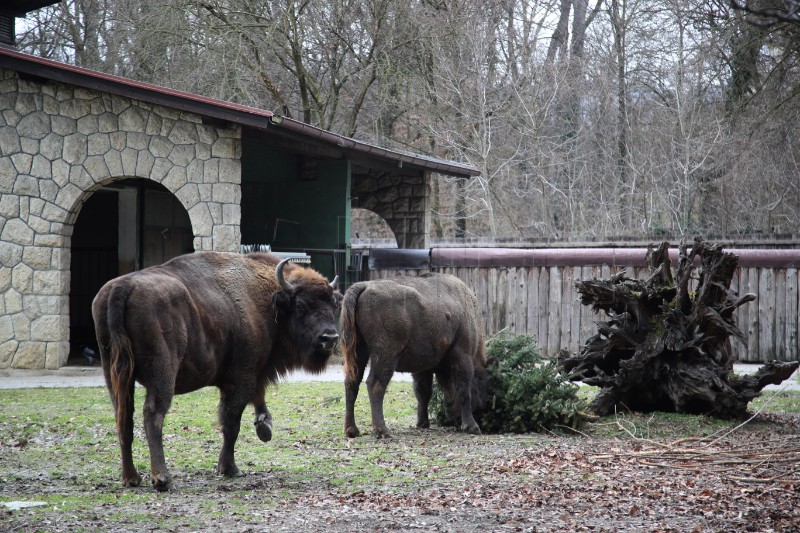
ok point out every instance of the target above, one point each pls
(402, 201)
(59, 144)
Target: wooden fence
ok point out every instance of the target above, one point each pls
(533, 291)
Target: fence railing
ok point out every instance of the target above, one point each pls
(533, 292)
(346, 264)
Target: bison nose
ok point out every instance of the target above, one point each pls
(328, 340)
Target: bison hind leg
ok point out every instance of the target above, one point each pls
(423, 390)
(377, 382)
(351, 386)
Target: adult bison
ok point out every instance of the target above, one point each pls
(233, 321)
(425, 325)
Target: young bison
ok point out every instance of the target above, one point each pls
(424, 325)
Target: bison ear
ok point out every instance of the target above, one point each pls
(282, 299)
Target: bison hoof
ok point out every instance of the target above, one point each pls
(472, 430)
(229, 471)
(161, 482)
(264, 429)
(424, 424)
(352, 432)
(132, 480)
(382, 433)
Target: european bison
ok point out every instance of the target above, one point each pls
(233, 321)
(425, 325)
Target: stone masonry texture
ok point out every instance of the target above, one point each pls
(58, 145)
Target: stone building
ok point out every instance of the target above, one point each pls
(102, 175)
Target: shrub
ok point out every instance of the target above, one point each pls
(527, 392)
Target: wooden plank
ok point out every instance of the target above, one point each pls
(554, 317)
(753, 348)
(779, 317)
(483, 300)
(605, 271)
(569, 320)
(532, 325)
(575, 310)
(472, 275)
(491, 284)
(588, 317)
(790, 337)
(564, 325)
(501, 290)
(544, 307)
(766, 310)
(740, 315)
(511, 299)
(521, 305)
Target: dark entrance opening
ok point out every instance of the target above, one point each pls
(93, 261)
(128, 225)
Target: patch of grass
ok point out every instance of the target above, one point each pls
(777, 402)
(60, 447)
(655, 426)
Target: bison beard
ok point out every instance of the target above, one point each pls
(425, 325)
(233, 321)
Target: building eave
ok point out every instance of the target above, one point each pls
(48, 70)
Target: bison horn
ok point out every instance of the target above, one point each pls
(335, 281)
(285, 285)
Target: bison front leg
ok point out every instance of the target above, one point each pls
(231, 407)
(462, 380)
(263, 425)
(464, 395)
(263, 420)
(423, 389)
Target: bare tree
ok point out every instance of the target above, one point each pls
(587, 118)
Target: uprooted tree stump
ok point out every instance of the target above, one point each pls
(666, 346)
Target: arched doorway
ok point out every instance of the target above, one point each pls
(125, 226)
(370, 230)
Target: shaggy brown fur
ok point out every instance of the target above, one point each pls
(204, 319)
(425, 325)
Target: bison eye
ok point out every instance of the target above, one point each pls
(301, 307)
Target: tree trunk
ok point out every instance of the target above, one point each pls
(667, 345)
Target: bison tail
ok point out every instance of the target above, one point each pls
(347, 327)
(120, 355)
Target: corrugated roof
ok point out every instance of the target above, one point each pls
(217, 109)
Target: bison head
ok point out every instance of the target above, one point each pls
(308, 308)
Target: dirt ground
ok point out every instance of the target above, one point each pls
(747, 479)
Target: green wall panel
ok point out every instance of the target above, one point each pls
(291, 203)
